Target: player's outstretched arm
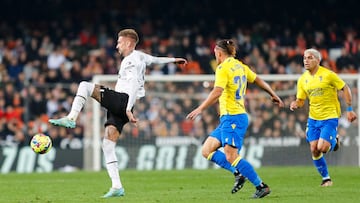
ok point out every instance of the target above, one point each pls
(181, 61)
(296, 104)
(132, 118)
(163, 60)
(210, 100)
(265, 86)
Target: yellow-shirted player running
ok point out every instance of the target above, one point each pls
(320, 86)
(231, 80)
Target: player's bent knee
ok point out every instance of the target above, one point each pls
(231, 157)
(324, 149)
(205, 153)
(111, 133)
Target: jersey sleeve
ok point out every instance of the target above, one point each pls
(301, 94)
(221, 78)
(250, 75)
(337, 81)
(149, 59)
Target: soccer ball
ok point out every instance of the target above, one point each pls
(41, 143)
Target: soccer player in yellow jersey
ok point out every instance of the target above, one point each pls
(320, 86)
(231, 80)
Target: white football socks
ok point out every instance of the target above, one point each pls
(85, 90)
(111, 161)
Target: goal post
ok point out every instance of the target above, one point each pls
(160, 87)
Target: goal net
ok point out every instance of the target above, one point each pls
(165, 140)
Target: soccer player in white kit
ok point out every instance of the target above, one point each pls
(119, 102)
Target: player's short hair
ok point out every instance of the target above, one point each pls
(228, 46)
(314, 52)
(131, 33)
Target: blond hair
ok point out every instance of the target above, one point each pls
(131, 33)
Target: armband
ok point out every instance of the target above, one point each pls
(349, 108)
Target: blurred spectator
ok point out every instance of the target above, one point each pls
(37, 104)
(14, 68)
(55, 59)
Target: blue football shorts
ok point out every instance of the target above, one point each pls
(231, 130)
(325, 129)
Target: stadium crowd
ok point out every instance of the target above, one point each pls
(42, 62)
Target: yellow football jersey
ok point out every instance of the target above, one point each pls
(321, 90)
(233, 76)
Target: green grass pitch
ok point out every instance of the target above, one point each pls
(288, 184)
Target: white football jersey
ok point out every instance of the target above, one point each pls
(131, 77)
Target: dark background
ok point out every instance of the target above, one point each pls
(185, 12)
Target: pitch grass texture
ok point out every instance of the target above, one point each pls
(288, 184)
